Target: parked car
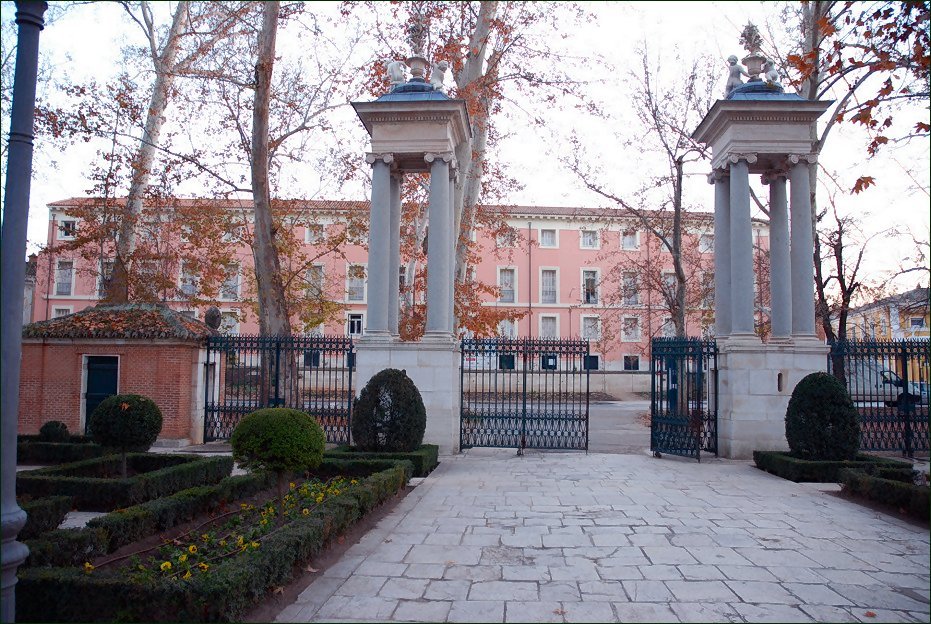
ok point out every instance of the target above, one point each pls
(870, 383)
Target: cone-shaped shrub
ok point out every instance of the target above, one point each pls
(389, 415)
(821, 420)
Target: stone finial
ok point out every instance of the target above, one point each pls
(438, 75)
(416, 30)
(750, 38)
(213, 318)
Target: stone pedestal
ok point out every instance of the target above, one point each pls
(755, 382)
(433, 365)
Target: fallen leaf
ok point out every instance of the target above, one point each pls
(870, 614)
(278, 590)
(559, 612)
(450, 562)
(311, 570)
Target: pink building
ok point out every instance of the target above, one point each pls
(572, 272)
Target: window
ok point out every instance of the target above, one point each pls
(188, 284)
(355, 283)
(591, 327)
(402, 278)
(186, 233)
(60, 312)
(630, 329)
(630, 240)
(916, 322)
(590, 286)
(506, 238)
(590, 362)
(67, 229)
(588, 239)
(707, 290)
(233, 235)
(229, 290)
(356, 234)
(229, 323)
(191, 314)
(507, 329)
(548, 327)
(630, 288)
(314, 278)
(706, 243)
(64, 277)
(631, 362)
(313, 233)
(548, 238)
(506, 279)
(355, 324)
(669, 285)
(668, 328)
(548, 286)
(104, 277)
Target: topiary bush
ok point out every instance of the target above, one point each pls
(54, 431)
(126, 422)
(821, 420)
(389, 415)
(279, 439)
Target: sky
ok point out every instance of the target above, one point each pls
(86, 43)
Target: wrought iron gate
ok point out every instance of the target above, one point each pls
(888, 382)
(684, 397)
(309, 373)
(524, 393)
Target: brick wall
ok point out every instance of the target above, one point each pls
(52, 377)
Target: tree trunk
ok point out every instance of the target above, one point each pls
(679, 312)
(118, 287)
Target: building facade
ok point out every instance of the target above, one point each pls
(563, 272)
(896, 317)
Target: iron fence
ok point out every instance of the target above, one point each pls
(683, 397)
(888, 382)
(309, 373)
(525, 393)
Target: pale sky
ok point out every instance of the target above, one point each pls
(86, 43)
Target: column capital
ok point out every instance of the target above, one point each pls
(773, 175)
(795, 159)
(447, 157)
(371, 157)
(718, 175)
(735, 158)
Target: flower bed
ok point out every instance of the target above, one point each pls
(221, 565)
(95, 488)
(802, 470)
(904, 497)
(425, 458)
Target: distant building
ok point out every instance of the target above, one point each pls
(896, 317)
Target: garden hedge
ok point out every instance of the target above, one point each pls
(36, 452)
(159, 475)
(231, 588)
(802, 470)
(44, 514)
(424, 459)
(907, 497)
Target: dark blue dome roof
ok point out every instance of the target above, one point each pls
(415, 90)
(759, 90)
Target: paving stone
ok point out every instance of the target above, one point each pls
(884, 615)
(428, 553)
(381, 568)
(776, 557)
(443, 539)
(879, 598)
(425, 570)
(473, 573)
(661, 572)
(775, 613)
(589, 612)
(418, 611)
(390, 553)
(361, 608)
(704, 612)
(647, 591)
(447, 590)
(746, 573)
(525, 573)
(407, 588)
(700, 573)
(762, 592)
(716, 555)
(619, 573)
(344, 567)
(825, 613)
(644, 612)
(544, 611)
(576, 571)
(845, 577)
(700, 591)
(476, 611)
(504, 590)
(563, 591)
(602, 591)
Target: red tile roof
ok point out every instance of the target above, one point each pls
(143, 321)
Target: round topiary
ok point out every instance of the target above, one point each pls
(821, 420)
(389, 415)
(54, 431)
(126, 421)
(279, 439)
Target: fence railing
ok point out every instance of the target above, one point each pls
(888, 382)
(309, 373)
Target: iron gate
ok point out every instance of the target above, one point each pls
(683, 397)
(524, 393)
(888, 382)
(309, 373)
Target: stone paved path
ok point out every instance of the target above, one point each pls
(565, 537)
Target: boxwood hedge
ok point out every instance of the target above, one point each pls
(912, 499)
(44, 514)
(802, 470)
(425, 458)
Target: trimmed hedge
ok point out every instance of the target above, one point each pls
(424, 459)
(72, 438)
(804, 471)
(44, 514)
(160, 475)
(36, 452)
(231, 587)
(907, 497)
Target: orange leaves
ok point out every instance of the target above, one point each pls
(863, 183)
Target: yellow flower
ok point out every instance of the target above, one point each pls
(353, 482)
(254, 544)
(292, 485)
(166, 565)
(88, 567)
(187, 575)
(182, 558)
(222, 542)
(243, 506)
(240, 540)
(192, 549)
(203, 566)
(205, 537)
(305, 511)
(319, 498)
(263, 522)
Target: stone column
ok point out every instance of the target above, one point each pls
(379, 264)
(29, 22)
(741, 239)
(802, 250)
(394, 255)
(722, 253)
(439, 289)
(453, 241)
(780, 285)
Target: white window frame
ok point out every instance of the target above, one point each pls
(919, 325)
(636, 294)
(233, 329)
(623, 331)
(233, 235)
(365, 282)
(61, 229)
(507, 240)
(322, 279)
(596, 233)
(668, 328)
(66, 309)
(555, 317)
(582, 272)
(586, 317)
(316, 238)
(348, 325)
(623, 364)
(703, 245)
(101, 276)
(70, 292)
(540, 281)
(181, 285)
(555, 232)
(636, 246)
(513, 324)
(188, 313)
(515, 288)
(238, 274)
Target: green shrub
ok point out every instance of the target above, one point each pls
(389, 415)
(424, 459)
(126, 421)
(278, 439)
(821, 420)
(804, 471)
(35, 452)
(906, 497)
(44, 514)
(54, 431)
